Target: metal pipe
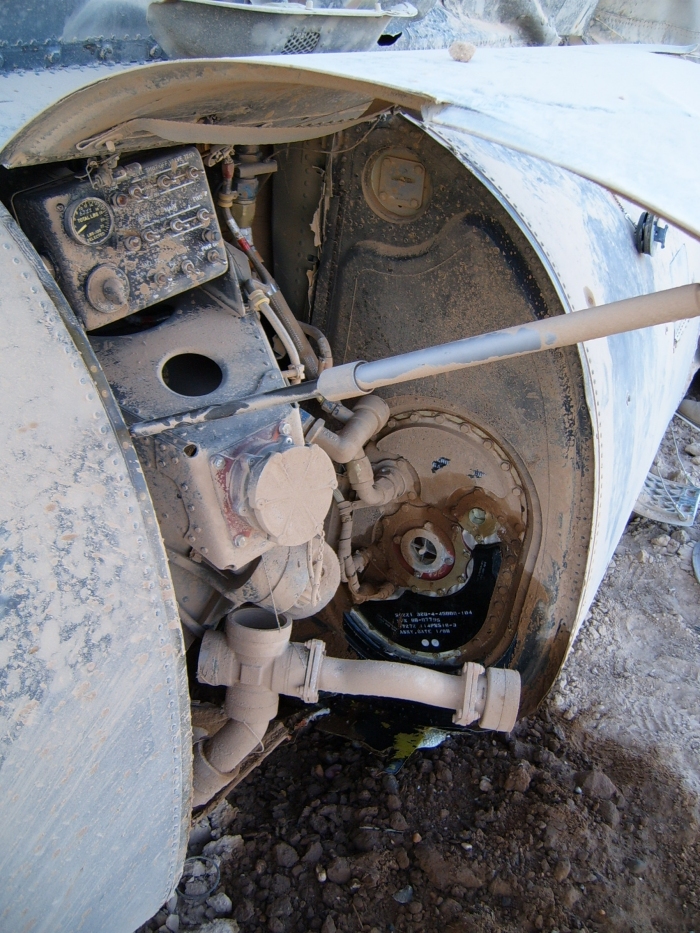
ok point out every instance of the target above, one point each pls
(277, 300)
(360, 378)
(261, 303)
(563, 330)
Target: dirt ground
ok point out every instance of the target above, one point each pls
(584, 818)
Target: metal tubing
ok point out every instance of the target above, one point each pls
(563, 330)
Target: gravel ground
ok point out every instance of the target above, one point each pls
(584, 818)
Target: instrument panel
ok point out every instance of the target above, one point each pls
(148, 233)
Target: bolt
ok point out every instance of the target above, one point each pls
(285, 429)
(428, 526)
(132, 243)
(441, 592)
(240, 541)
(191, 539)
(461, 579)
(397, 539)
(218, 463)
(288, 441)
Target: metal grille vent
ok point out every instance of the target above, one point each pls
(665, 501)
(300, 41)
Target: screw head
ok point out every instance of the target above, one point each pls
(285, 429)
(218, 463)
(240, 541)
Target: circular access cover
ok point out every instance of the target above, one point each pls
(291, 494)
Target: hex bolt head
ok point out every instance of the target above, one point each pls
(218, 463)
(285, 428)
(240, 541)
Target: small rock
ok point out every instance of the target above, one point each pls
(519, 777)
(450, 910)
(313, 854)
(402, 859)
(462, 51)
(673, 547)
(339, 871)
(562, 869)
(693, 450)
(680, 535)
(171, 904)
(390, 784)
(173, 923)
(485, 785)
(285, 855)
(643, 556)
(223, 847)
(398, 822)
(280, 885)
(245, 911)
(609, 813)
(597, 785)
(416, 838)
(636, 866)
(280, 907)
(393, 802)
(570, 896)
(660, 541)
(328, 925)
(219, 926)
(500, 888)
(404, 896)
(221, 904)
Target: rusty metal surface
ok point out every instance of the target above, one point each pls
(94, 712)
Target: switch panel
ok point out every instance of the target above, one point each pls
(149, 233)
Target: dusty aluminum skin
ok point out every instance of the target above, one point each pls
(585, 108)
(583, 234)
(95, 759)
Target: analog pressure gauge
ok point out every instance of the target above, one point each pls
(89, 221)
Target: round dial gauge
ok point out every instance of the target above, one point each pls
(89, 221)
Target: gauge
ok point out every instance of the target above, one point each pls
(89, 221)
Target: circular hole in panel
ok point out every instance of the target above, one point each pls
(190, 450)
(192, 374)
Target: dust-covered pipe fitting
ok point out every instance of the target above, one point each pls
(325, 354)
(242, 659)
(359, 592)
(380, 490)
(370, 414)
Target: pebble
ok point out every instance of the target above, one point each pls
(609, 813)
(661, 540)
(643, 556)
(390, 784)
(339, 871)
(223, 847)
(313, 854)
(393, 802)
(485, 785)
(398, 822)
(329, 925)
(404, 896)
(693, 450)
(285, 855)
(636, 866)
(221, 904)
(562, 869)
(519, 777)
(173, 923)
(598, 786)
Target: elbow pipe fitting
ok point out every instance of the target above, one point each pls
(257, 662)
(370, 415)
